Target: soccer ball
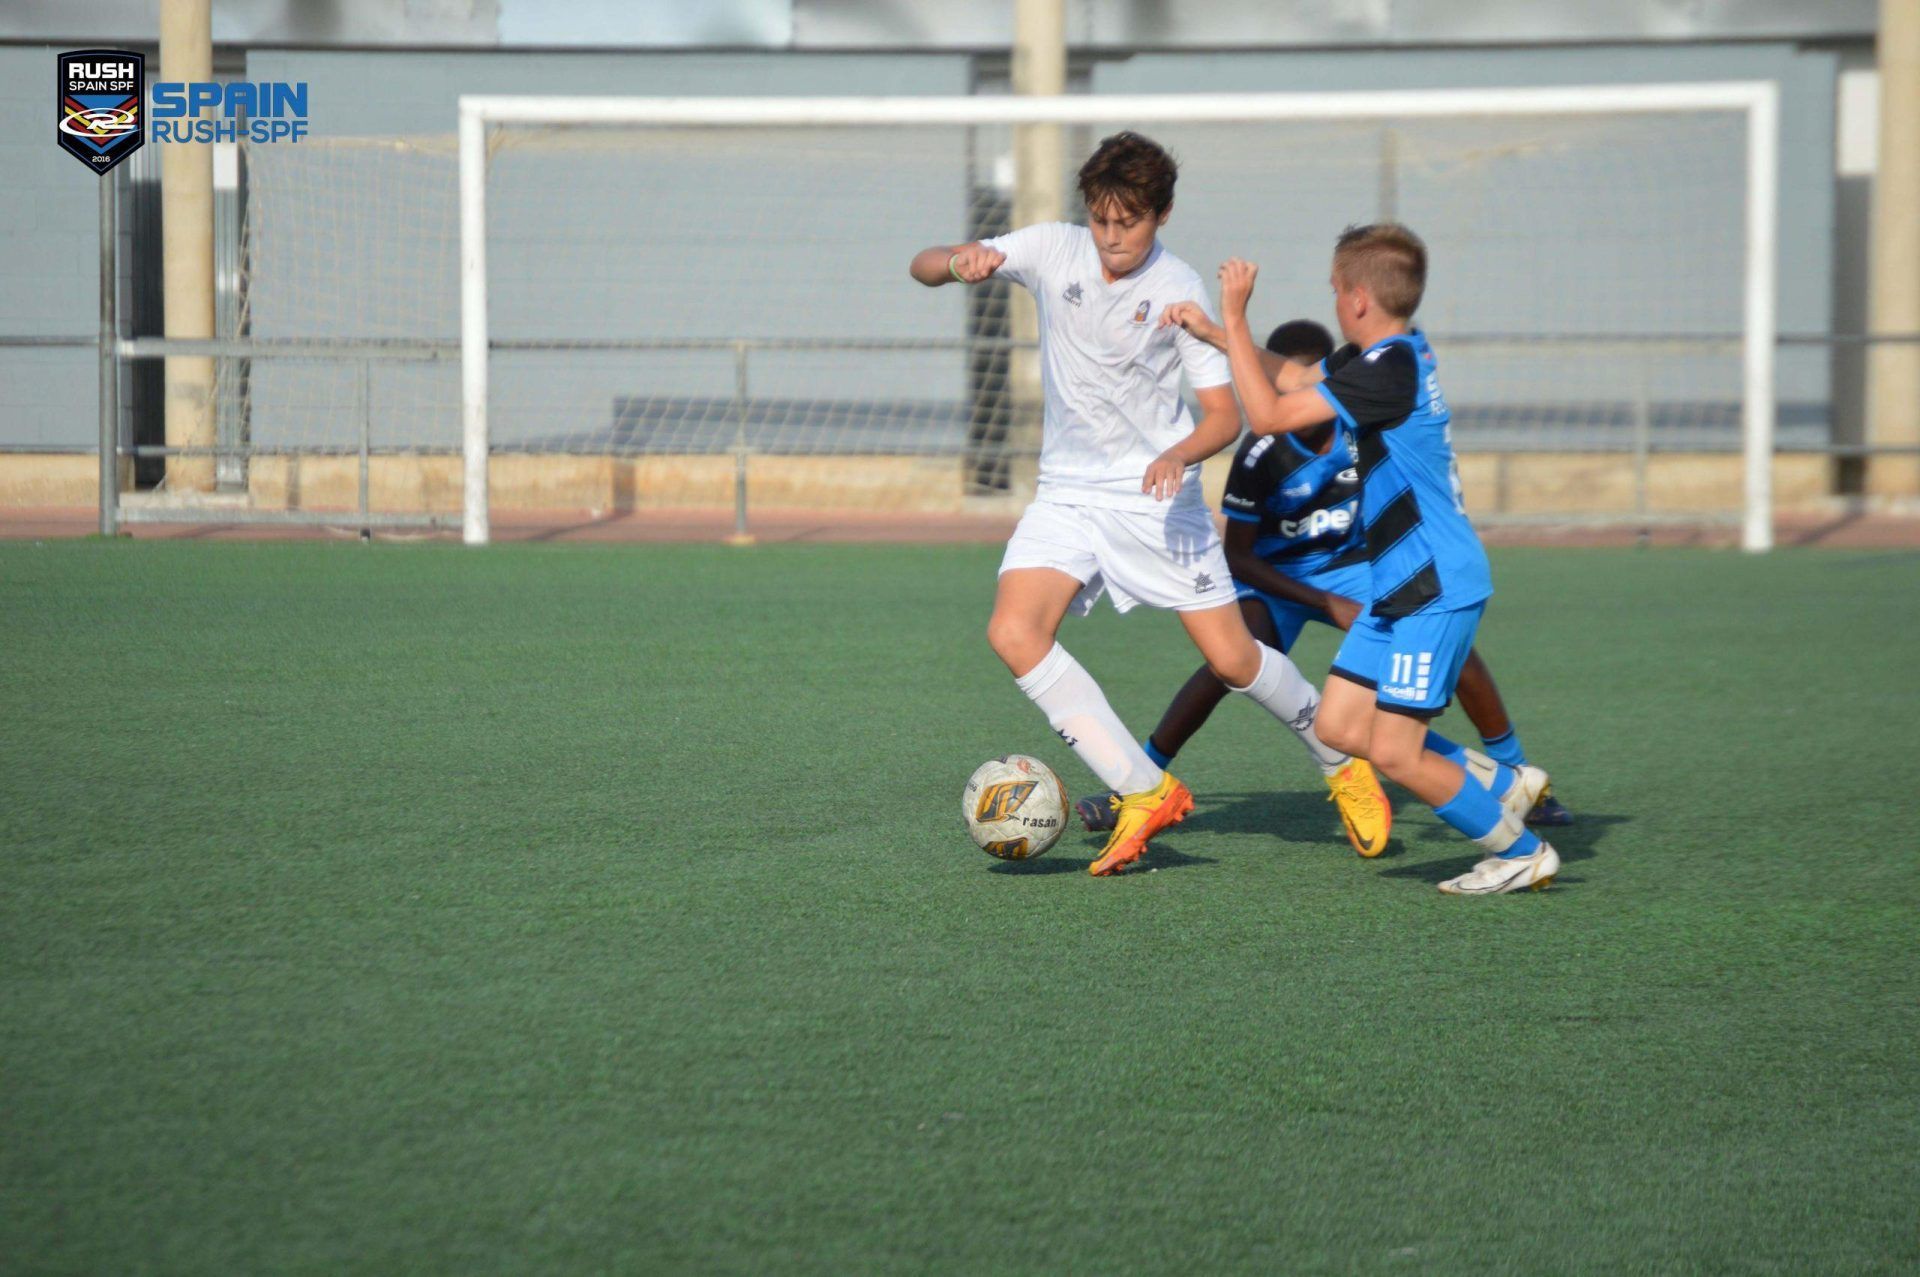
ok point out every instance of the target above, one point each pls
(1015, 807)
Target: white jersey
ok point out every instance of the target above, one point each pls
(1110, 372)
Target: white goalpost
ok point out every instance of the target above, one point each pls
(1610, 267)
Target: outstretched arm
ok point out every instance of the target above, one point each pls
(1250, 569)
(1269, 412)
(955, 264)
(1194, 318)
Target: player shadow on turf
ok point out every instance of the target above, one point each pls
(1575, 842)
(1159, 855)
(1303, 817)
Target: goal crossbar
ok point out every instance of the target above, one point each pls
(1756, 100)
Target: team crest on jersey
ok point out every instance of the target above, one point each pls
(97, 94)
(1072, 294)
(1140, 315)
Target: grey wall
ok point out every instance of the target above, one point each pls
(49, 263)
(1806, 79)
(902, 25)
(1644, 216)
(822, 239)
(597, 234)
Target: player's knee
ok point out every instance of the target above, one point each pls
(1236, 670)
(1395, 758)
(1338, 731)
(1017, 642)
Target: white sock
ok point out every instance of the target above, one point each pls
(1283, 691)
(1077, 710)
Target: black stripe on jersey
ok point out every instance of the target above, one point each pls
(1355, 553)
(1401, 516)
(1287, 553)
(1372, 447)
(1412, 594)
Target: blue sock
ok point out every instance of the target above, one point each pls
(1438, 744)
(1506, 749)
(1503, 775)
(1153, 752)
(1476, 813)
(1525, 845)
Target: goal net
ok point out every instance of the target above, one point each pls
(666, 303)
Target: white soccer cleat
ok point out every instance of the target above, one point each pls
(1494, 876)
(1529, 782)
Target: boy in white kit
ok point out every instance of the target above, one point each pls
(1118, 507)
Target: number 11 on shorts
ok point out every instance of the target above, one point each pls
(1412, 671)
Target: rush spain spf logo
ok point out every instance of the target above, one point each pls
(97, 97)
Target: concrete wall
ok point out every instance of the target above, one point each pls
(1649, 209)
(355, 232)
(595, 234)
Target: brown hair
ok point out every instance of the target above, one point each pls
(1386, 259)
(1134, 171)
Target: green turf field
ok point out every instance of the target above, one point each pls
(420, 909)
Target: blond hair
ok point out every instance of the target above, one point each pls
(1386, 259)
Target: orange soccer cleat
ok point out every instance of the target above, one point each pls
(1139, 817)
(1363, 805)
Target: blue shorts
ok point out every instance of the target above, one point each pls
(1354, 581)
(1410, 663)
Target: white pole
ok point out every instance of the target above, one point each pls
(1758, 335)
(1603, 99)
(473, 320)
(1893, 295)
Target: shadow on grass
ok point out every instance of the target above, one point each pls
(1304, 816)
(1064, 859)
(1575, 843)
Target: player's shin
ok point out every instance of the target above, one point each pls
(1478, 814)
(1494, 777)
(1078, 712)
(1283, 691)
(1506, 749)
(1186, 714)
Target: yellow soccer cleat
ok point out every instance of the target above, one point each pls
(1364, 809)
(1139, 817)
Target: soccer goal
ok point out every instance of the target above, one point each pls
(719, 285)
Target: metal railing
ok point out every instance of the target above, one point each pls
(1642, 437)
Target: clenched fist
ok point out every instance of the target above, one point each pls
(976, 262)
(1236, 285)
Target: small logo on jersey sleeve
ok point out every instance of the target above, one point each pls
(1072, 294)
(1140, 315)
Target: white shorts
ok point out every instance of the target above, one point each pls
(1171, 560)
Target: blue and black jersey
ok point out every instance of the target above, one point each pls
(1424, 554)
(1306, 503)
